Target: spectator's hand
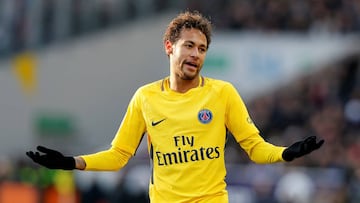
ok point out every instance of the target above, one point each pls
(301, 148)
(51, 159)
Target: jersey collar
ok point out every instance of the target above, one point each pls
(165, 82)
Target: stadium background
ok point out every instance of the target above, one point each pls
(69, 67)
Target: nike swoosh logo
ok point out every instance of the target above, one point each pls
(157, 122)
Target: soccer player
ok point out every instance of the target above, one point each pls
(185, 117)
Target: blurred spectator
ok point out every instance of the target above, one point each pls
(18, 29)
(48, 20)
(301, 192)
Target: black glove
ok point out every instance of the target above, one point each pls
(301, 148)
(52, 159)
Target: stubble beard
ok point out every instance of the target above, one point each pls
(188, 76)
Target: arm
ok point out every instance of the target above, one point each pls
(245, 132)
(109, 160)
(247, 135)
(124, 144)
(123, 147)
(260, 151)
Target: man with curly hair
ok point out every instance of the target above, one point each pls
(185, 117)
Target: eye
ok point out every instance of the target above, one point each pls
(188, 45)
(202, 50)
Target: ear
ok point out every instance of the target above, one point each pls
(168, 47)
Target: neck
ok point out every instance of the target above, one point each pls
(180, 85)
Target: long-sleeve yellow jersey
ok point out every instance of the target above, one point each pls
(186, 134)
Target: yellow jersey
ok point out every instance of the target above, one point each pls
(186, 134)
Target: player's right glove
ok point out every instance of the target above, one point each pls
(51, 159)
(301, 148)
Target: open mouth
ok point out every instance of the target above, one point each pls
(192, 64)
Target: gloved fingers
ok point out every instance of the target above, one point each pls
(311, 144)
(46, 150)
(310, 139)
(34, 156)
(30, 154)
(318, 145)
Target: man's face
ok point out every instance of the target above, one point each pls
(187, 55)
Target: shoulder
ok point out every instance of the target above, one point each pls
(217, 84)
(146, 91)
(152, 87)
(223, 89)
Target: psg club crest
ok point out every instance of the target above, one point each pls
(205, 116)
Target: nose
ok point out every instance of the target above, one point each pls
(194, 52)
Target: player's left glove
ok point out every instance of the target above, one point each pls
(51, 159)
(301, 148)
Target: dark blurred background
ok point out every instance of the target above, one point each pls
(68, 69)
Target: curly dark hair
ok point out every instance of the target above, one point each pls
(188, 20)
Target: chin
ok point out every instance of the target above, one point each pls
(189, 77)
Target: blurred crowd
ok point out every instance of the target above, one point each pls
(32, 24)
(325, 103)
(307, 16)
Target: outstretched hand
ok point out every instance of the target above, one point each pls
(51, 159)
(301, 148)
